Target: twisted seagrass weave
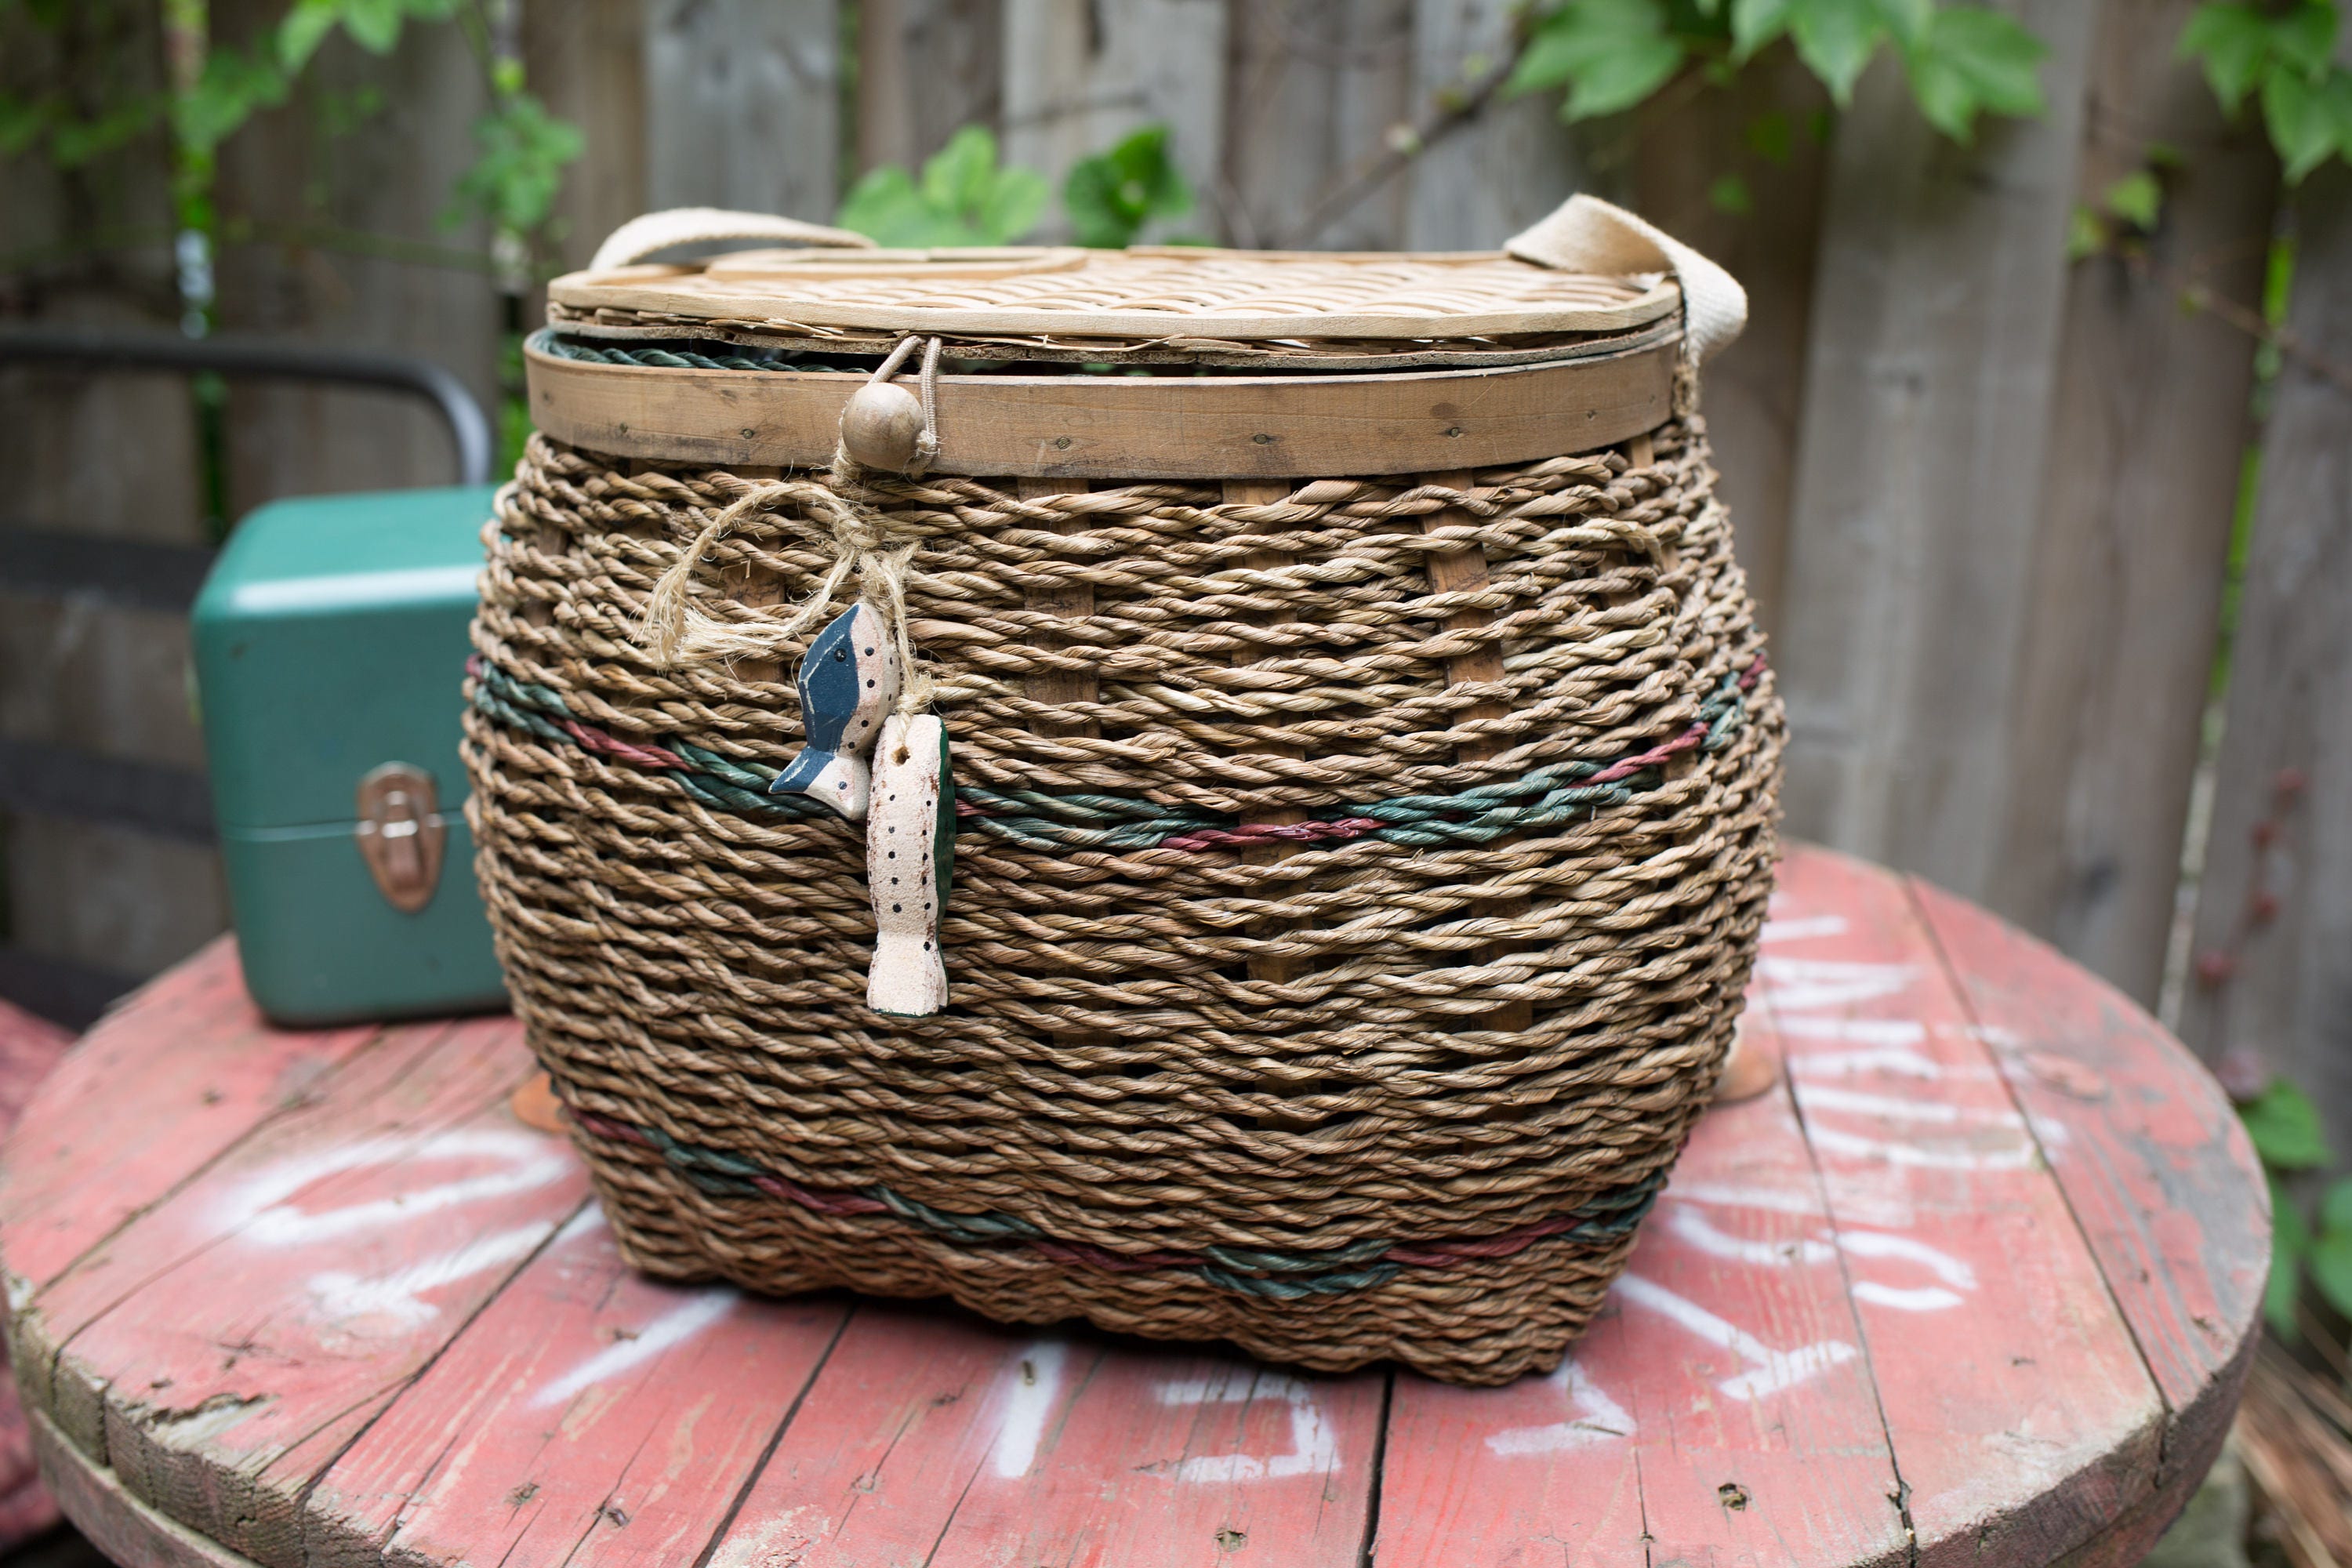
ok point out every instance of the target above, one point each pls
(1489, 997)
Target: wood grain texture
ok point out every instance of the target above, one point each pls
(936, 1438)
(2288, 993)
(1927, 423)
(2026, 1418)
(2151, 410)
(1933, 1258)
(1502, 169)
(1323, 81)
(925, 69)
(1124, 427)
(305, 201)
(587, 1415)
(119, 1131)
(2147, 1170)
(1079, 75)
(289, 1293)
(1682, 145)
(741, 109)
(584, 59)
(1718, 1412)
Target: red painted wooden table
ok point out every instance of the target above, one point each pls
(1975, 1283)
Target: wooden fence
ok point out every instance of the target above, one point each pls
(1985, 492)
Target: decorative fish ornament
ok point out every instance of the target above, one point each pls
(909, 861)
(848, 680)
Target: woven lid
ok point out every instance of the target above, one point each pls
(1575, 336)
(1171, 295)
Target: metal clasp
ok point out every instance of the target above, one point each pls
(401, 835)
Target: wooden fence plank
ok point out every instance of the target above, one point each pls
(342, 241)
(314, 1270)
(1499, 171)
(2142, 1157)
(1316, 88)
(100, 453)
(934, 1440)
(1757, 1440)
(2031, 1388)
(584, 59)
(1684, 142)
(1927, 412)
(2275, 913)
(2148, 441)
(1079, 75)
(925, 69)
(588, 1417)
(740, 105)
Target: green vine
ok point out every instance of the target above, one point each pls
(1611, 56)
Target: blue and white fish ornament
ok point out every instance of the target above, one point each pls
(848, 680)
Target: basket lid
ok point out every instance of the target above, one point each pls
(1148, 292)
(1589, 268)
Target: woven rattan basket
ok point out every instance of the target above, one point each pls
(1360, 793)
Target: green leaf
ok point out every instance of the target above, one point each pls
(1110, 196)
(2290, 1241)
(1756, 22)
(305, 27)
(2086, 234)
(1609, 54)
(2137, 198)
(1014, 206)
(2283, 1126)
(1730, 193)
(22, 121)
(232, 87)
(2303, 39)
(374, 25)
(1771, 137)
(2301, 122)
(2336, 1206)
(514, 180)
(1975, 60)
(962, 198)
(2233, 41)
(1836, 38)
(1906, 20)
(2331, 1269)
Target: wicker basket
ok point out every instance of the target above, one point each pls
(1364, 764)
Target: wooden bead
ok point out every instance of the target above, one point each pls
(880, 426)
(1748, 1070)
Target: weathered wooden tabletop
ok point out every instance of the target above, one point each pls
(1977, 1283)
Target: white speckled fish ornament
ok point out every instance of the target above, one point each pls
(910, 861)
(848, 680)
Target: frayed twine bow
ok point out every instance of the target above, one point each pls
(676, 633)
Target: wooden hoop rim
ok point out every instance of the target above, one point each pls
(1125, 428)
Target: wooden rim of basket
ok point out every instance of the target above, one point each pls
(1130, 428)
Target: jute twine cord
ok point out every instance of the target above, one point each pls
(1111, 1094)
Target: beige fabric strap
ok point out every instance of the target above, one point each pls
(1588, 235)
(642, 237)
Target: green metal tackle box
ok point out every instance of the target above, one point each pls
(331, 645)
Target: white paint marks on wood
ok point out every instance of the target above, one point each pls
(1314, 1448)
(691, 1316)
(1604, 1420)
(1028, 1386)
